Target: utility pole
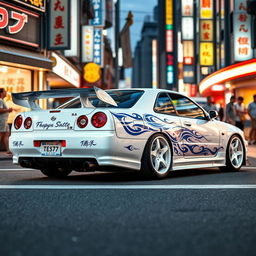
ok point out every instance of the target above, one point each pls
(117, 42)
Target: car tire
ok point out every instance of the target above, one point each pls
(156, 161)
(56, 172)
(235, 155)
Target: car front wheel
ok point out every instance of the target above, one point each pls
(156, 161)
(235, 155)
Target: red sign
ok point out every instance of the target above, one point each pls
(19, 25)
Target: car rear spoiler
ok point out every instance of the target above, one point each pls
(28, 99)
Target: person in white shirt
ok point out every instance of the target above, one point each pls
(4, 128)
(240, 113)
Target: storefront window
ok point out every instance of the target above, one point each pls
(14, 80)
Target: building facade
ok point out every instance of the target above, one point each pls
(142, 76)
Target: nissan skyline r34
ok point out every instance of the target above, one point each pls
(154, 131)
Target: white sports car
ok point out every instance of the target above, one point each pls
(151, 130)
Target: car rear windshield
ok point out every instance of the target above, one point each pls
(123, 99)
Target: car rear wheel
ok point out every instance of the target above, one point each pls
(156, 161)
(56, 172)
(235, 155)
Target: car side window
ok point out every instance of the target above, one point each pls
(186, 108)
(164, 105)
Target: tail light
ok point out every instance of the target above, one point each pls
(82, 121)
(28, 122)
(99, 119)
(18, 122)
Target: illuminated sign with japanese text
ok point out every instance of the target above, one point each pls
(187, 8)
(206, 33)
(169, 40)
(206, 9)
(19, 26)
(242, 32)
(169, 12)
(59, 25)
(99, 8)
(206, 30)
(98, 46)
(87, 44)
(187, 28)
(154, 64)
(188, 52)
(35, 4)
(66, 71)
(206, 54)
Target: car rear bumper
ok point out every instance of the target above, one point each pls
(102, 148)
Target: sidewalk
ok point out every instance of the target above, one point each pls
(251, 156)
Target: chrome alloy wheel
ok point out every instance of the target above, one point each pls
(236, 152)
(160, 155)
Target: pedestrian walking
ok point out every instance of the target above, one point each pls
(252, 114)
(221, 112)
(240, 113)
(4, 128)
(210, 106)
(231, 111)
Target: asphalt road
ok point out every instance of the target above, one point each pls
(122, 214)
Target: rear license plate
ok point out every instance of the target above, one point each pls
(50, 149)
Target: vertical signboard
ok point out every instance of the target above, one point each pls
(87, 44)
(169, 40)
(98, 46)
(206, 33)
(206, 54)
(187, 28)
(99, 8)
(206, 9)
(242, 32)
(154, 64)
(73, 52)
(188, 73)
(187, 8)
(59, 25)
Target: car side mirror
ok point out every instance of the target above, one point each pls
(213, 114)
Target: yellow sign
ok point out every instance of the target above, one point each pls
(169, 14)
(206, 54)
(92, 72)
(206, 9)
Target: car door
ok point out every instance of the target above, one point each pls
(200, 136)
(167, 113)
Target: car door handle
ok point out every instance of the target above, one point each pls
(187, 124)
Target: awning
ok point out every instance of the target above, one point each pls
(25, 58)
(232, 72)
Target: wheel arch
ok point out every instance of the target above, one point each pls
(167, 138)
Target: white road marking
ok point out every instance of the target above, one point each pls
(16, 169)
(126, 187)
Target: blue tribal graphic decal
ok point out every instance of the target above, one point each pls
(153, 123)
(185, 141)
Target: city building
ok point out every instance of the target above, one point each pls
(143, 71)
